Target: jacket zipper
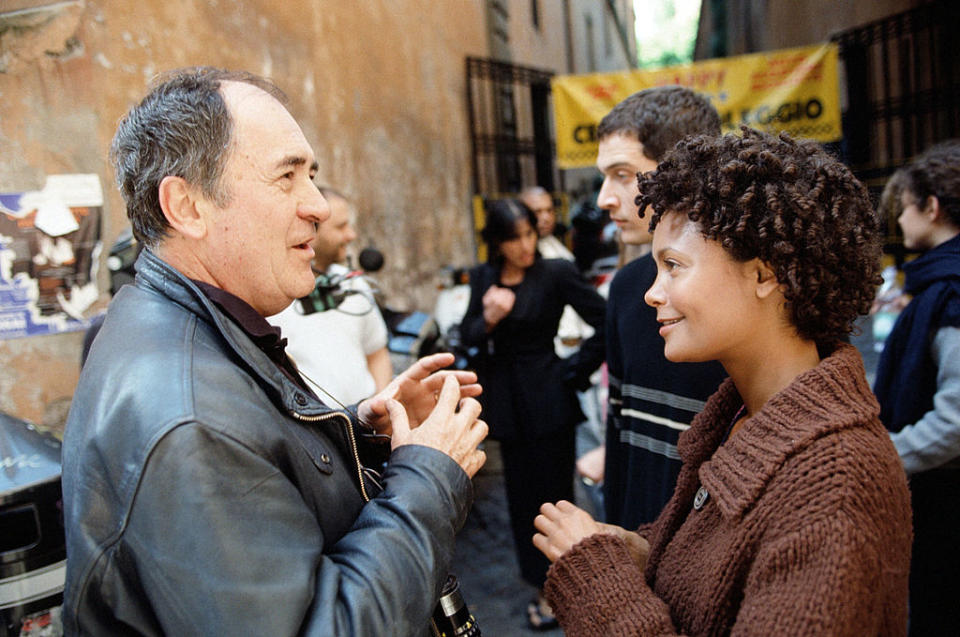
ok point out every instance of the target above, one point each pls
(350, 436)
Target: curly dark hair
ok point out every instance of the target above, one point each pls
(935, 173)
(788, 203)
(659, 117)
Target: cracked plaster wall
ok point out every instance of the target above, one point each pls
(378, 87)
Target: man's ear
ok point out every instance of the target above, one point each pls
(932, 209)
(767, 282)
(182, 207)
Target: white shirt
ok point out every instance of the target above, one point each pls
(331, 347)
(551, 247)
(572, 329)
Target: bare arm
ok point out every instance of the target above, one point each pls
(380, 367)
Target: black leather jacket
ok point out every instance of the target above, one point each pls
(206, 494)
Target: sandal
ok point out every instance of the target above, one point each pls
(540, 616)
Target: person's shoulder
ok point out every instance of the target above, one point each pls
(173, 344)
(484, 266)
(640, 269)
(558, 266)
(553, 248)
(857, 474)
(482, 272)
(290, 314)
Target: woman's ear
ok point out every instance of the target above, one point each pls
(182, 208)
(767, 282)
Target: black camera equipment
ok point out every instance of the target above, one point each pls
(451, 616)
(329, 292)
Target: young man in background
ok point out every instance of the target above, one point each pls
(651, 400)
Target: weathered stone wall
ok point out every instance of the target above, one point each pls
(378, 87)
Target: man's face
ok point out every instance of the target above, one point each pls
(258, 245)
(334, 235)
(620, 158)
(542, 205)
(915, 222)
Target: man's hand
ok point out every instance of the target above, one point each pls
(497, 303)
(563, 525)
(452, 430)
(417, 389)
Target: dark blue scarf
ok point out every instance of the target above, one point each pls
(906, 375)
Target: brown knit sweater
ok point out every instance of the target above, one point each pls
(806, 529)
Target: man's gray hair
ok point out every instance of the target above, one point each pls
(182, 128)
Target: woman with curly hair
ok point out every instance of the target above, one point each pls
(791, 514)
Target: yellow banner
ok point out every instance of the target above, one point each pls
(793, 90)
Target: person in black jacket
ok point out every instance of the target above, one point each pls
(529, 398)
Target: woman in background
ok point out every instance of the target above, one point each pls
(529, 393)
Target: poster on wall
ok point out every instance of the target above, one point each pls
(49, 249)
(792, 90)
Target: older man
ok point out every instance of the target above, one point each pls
(206, 489)
(537, 199)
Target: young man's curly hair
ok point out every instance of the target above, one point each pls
(787, 202)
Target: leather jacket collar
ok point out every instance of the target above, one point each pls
(154, 273)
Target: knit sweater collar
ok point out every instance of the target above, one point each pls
(832, 396)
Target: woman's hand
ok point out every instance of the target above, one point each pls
(417, 389)
(563, 525)
(497, 303)
(637, 545)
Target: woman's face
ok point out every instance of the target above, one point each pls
(705, 300)
(520, 251)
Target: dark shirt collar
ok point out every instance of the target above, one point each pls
(265, 336)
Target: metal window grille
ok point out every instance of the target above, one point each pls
(510, 131)
(902, 83)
